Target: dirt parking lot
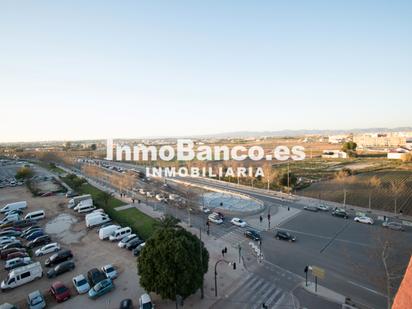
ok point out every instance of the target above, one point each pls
(88, 250)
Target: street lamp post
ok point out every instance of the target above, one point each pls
(224, 261)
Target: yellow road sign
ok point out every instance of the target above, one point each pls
(318, 272)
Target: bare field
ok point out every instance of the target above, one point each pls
(382, 196)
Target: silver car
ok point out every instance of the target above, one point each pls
(393, 226)
(35, 300)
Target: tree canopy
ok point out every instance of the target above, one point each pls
(173, 261)
(24, 173)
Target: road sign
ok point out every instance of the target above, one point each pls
(318, 272)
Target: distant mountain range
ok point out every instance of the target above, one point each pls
(283, 133)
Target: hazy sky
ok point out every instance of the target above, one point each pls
(97, 69)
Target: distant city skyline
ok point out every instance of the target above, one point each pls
(93, 70)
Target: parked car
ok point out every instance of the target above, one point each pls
(39, 241)
(70, 194)
(24, 223)
(80, 284)
(94, 276)
(283, 235)
(364, 219)
(18, 254)
(10, 233)
(35, 300)
(134, 243)
(34, 235)
(5, 253)
(311, 208)
(49, 248)
(109, 271)
(393, 226)
(58, 258)
(340, 213)
(61, 269)
(145, 302)
(252, 234)
(101, 288)
(125, 240)
(323, 207)
(17, 262)
(126, 304)
(30, 230)
(7, 240)
(238, 222)
(14, 244)
(138, 249)
(60, 292)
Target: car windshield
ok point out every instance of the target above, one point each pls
(81, 282)
(36, 300)
(147, 305)
(61, 289)
(109, 269)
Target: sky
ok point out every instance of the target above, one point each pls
(73, 70)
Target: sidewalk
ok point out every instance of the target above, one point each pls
(324, 293)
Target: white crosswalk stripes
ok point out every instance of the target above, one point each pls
(256, 291)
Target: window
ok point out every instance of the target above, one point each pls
(25, 275)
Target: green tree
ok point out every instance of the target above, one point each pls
(104, 197)
(350, 148)
(290, 181)
(24, 173)
(173, 261)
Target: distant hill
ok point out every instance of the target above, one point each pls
(282, 133)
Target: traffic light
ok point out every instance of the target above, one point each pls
(306, 269)
(234, 266)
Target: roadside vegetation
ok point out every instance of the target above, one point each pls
(140, 223)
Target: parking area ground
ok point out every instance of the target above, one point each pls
(88, 250)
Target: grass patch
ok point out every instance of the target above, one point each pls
(140, 223)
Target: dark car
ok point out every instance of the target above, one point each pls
(10, 233)
(39, 241)
(60, 291)
(6, 252)
(340, 213)
(58, 257)
(24, 223)
(126, 304)
(60, 269)
(283, 235)
(134, 243)
(252, 234)
(14, 244)
(94, 276)
(311, 208)
(35, 234)
(30, 230)
(17, 254)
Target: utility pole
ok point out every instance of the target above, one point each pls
(201, 262)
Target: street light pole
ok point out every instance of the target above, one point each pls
(227, 262)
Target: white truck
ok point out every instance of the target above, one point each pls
(14, 206)
(77, 199)
(96, 220)
(22, 275)
(105, 232)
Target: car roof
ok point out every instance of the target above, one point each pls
(145, 298)
(35, 294)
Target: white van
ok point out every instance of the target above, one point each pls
(77, 199)
(85, 208)
(14, 206)
(10, 218)
(35, 215)
(97, 220)
(22, 275)
(120, 233)
(83, 203)
(105, 232)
